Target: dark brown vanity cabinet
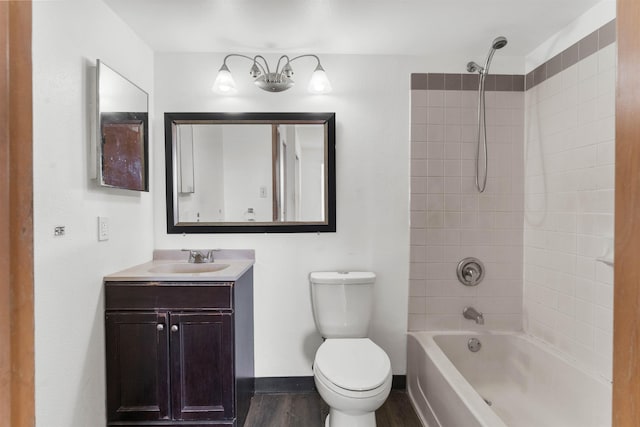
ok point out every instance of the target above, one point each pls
(179, 353)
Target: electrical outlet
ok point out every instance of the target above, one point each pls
(59, 231)
(103, 228)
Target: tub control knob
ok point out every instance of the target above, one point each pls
(470, 274)
(470, 271)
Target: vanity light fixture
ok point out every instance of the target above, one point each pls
(271, 81)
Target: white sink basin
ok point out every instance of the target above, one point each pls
(183, 267)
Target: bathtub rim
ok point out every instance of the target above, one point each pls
(470, 397)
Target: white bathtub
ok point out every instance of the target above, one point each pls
(527, 383)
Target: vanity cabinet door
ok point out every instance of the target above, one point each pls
(137, 366)
(202, 372)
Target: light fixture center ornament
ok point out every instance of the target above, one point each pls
(271, 81)
(274, 82)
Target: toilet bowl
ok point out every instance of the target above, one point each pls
(353, 376)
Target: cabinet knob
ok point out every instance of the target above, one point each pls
(160, 327)
(174, 328)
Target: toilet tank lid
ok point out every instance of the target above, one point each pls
(342, 277)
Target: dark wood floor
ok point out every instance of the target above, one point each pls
(308, 410)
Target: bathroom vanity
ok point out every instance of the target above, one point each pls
(179, 341)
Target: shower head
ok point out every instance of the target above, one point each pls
(473, 67)
(499, 42)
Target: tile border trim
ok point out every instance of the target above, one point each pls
(493, 82)
(592, 43)
(599, 39)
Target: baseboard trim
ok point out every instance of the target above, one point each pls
(306, 385)
(285, 385)
(399, 382)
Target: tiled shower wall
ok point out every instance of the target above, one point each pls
(551, 197)
(569, 163)
(450, 220)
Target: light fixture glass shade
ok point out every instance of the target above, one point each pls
(319, 82)
(224, 83)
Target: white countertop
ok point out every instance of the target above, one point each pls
(238, 261)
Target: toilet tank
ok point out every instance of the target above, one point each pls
(342, 302)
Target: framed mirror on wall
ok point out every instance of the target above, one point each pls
(122, 131)
(250, 172)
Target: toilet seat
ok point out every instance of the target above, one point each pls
(352, 367)
(351, 394)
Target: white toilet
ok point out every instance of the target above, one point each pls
(352, 374)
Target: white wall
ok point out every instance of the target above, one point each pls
(371, 99)
(372, 200)
(68, 37)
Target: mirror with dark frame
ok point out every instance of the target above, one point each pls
(250, 172)
(122, 131)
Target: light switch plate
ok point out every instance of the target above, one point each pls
(103, 228)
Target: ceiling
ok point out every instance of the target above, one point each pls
(377, 27)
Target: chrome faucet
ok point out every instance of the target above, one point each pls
(200, 256)
(473, 314)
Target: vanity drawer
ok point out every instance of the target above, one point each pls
(172, 296)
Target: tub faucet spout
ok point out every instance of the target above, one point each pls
(473, 314)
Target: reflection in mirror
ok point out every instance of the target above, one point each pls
(251, 172)
(122, 131)
(300, 178)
